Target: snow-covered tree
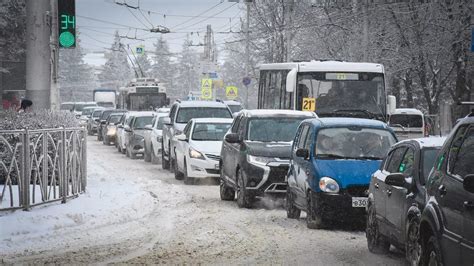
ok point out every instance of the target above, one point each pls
(163, 68)
(188, 71)
(76, 81)
(143, 64)
(116, 71)
(12, 31)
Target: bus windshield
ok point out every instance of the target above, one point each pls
(336, 93)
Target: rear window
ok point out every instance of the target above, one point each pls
(405, 120)
(187, 113)
(114, 118)
(97, 114)
(429, 157)
(142, 121)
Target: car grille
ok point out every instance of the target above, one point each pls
(212, 171)
(213, 157)
(358, 191)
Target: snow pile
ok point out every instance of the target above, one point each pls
(38, 119)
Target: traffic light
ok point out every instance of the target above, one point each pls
(67, 23)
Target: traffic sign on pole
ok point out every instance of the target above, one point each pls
(231, 92)
(246, 81)
(206, 89)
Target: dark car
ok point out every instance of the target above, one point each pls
(102, 120)
(255, 154)
(447, 221)
(332, 160)
(110, 128)
(397, 196)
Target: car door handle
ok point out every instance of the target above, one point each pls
(442, 190)
(468, 205)
(376, 185)
(389, 192)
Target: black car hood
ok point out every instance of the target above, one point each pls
(269, 149)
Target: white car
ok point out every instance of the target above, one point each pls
(153, 136)
(121, 141)
(198, 148)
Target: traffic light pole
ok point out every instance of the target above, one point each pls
(54, 55)
(38, 53)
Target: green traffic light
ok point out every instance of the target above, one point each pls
(66, 39)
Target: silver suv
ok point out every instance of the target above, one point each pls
(181, 112)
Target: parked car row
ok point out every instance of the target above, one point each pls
(416, 195)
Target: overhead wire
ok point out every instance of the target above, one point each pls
(200, 14)
(206, 18)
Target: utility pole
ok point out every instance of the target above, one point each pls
(247, 52)
(365, 40)
(38, 53)
(54, 55)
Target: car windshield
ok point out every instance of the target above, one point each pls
(405, 120)
(429, 157)
(353, 143)
(187, 113)
(274, 129)
(209, 131)
(235, 108)
(87, 111)
(160, 123)
(142, 121)
(96, 114)
(114, 118)
(67, 106)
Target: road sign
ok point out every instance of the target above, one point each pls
(206, 89)
(309, 104)
(213, 75)
(139, 49)
(246, 81)
(231, 92)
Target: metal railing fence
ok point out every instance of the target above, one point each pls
(41, 166)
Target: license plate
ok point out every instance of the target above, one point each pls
(216, 166)
(359, 202)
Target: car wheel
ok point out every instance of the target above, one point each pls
(177, 174)
(291, 211)
(243, 199)
(413, 243)
(147, 155)
(375, 241)
(313, 220)
(119, 148)
(172, 161)
(164, 163)
(187, 180)
(227, 193)
(124, 150)
(154, 159)
(105, 140)
(133, 156)
(127, 153)
(432, 254)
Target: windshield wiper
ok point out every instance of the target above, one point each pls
(333, 156)
(369, 158)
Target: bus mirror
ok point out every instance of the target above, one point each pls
(291, 80)
(391, 104)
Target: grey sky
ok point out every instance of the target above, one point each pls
(96, 35)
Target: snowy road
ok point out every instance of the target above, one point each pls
(134, 212)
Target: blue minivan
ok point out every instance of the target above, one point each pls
(331, 163)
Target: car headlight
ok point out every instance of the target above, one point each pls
(195, 154)
(259, 160)
(327, 184)
(111, 131)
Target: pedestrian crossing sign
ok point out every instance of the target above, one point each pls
(231, 92)
(206, 89)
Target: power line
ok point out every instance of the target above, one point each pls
(200, 14)
(113, 23)
(206, 18)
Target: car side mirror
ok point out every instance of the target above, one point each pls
(167, 121)
(468, 183)
(302, 153)
(127, 128)
(182, 137)
(233, 138)
(148, 127)
(103, 122)
(396, 179)
(97, 119)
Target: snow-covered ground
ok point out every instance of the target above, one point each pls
(134, 212)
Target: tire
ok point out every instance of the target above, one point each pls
(291, 211)
(227, 193)
(171, 160)
(106, 141)
(119, 148)
(165, 164)
(432, 253)
(133, 156)
(313, 220)
(147, 155)
(376, 243)
(243, 198)
(413, 242)
(89, 131)
(187, 180)
(177, 174)
(154, 159)
(124, 150)
(127, 153)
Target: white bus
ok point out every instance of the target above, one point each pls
(329, 88)
(143, 94)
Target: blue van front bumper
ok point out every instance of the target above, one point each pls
(339, 206)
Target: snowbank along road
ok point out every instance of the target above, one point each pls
(134, 212)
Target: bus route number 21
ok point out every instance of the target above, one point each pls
(309, 104)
